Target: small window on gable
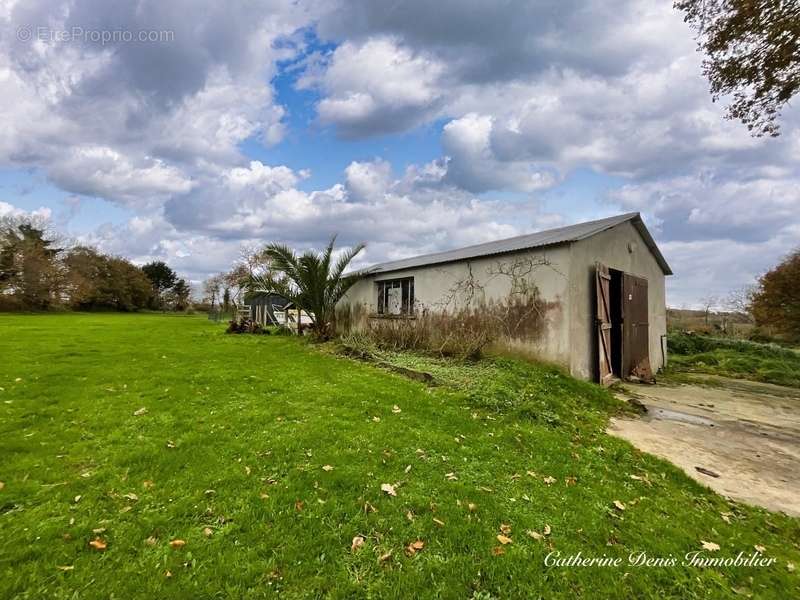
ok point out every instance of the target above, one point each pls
(396, 296)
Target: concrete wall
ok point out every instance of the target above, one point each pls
(612, 248)
(440, 288)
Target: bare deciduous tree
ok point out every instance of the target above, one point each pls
(708, 303)
(740, 300)
(212, 290)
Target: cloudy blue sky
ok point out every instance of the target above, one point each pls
(414, 126)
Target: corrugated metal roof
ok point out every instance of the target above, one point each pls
(549, 237)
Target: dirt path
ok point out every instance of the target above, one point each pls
(745, 432)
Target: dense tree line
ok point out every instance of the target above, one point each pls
(94, 281)
(38, 271)
(775, 303)
(30, 272)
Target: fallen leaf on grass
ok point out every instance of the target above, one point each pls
(167, 574)
(98, 530)
(472, 507)
(549, 480)
(438, 522)
(298, 505)
(208, 532)
(504, 539)
(151, 541)
(131, 496)
(247, 470)
(170, 444)
(619, 505)
(77, 498)
(147, 484)
(760, 549)
(790, 567)
(408, 469)
(98, 544)
(711, 546)
(414, 547)
(177, 544)
(547, 530)
(498, 551)
(451, 477)
(65, 567)
(410, 515)
(140, 412)
(368, 508)
(2, 485)
(504, 528)
(570, 481)
(534, 534)
(388, 488)
(327, 468)
(396, 409)
(726, 516)
(358, 542)
(376, 419)
(384, 557)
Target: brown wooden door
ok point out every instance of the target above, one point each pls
(603, 320)
(635, 329)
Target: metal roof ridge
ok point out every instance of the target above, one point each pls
(546, 237)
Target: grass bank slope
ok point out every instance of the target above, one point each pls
(768, 363)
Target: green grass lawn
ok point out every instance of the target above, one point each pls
(266, 457)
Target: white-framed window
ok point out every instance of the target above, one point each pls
(396, 296)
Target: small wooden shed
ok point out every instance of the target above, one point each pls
(264, 306)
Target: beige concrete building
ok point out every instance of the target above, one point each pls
(589, 297)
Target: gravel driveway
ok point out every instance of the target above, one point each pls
(740, 438)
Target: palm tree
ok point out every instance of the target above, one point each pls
(312, 281)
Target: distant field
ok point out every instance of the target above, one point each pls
(203, 465)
